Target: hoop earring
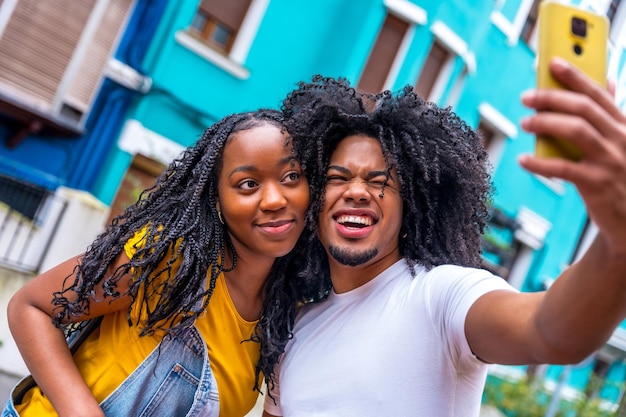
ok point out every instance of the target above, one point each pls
(219, 216)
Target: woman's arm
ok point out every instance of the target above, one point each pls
(43, 346)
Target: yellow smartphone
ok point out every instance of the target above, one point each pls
(580, 37)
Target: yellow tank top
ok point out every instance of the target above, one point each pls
(114, 350)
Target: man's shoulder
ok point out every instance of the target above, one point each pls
(457, 270)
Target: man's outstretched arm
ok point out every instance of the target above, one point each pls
(587, 302)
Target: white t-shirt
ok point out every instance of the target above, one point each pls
(395, 346)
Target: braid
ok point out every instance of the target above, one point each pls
(181, 226)
(286, 287)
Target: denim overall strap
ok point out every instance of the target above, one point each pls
(18, 391)
(174, 380)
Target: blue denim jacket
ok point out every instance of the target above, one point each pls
(174, 380)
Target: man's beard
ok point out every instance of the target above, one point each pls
(351, 258)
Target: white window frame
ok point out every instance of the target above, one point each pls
(556, 185)
(501, 126)
(513, 29)
(135, 138)
(234, 61)
(597, 6)
(532, 234)
(618, 29)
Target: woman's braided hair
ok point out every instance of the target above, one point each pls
(181, 226)
(440, 161)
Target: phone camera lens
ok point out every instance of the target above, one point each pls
(578, 50)
(579, 27)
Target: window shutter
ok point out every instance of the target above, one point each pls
(430, 71)
(383, 54)
(37, 45)
(229, 12)
(84, 86)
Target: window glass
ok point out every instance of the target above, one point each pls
(218, 21)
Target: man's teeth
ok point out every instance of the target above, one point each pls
(361, 220)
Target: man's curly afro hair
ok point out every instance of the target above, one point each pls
(441, 164)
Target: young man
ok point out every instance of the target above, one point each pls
(410, 324)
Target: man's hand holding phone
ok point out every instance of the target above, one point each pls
(580, 38)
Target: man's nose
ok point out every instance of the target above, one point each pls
(357, 190)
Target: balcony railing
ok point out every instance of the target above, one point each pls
(29, 217)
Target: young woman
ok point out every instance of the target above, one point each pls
(189, 283)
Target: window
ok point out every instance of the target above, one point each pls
(140, 175)
(25, 198)
(609, 7)
(222, 32)
(25, 221)
(52, 56)
(612, 9)
(442, 68)
(517, 19)
(528, 30)
(487, 134)
(217, 22)
(390, 47)
(616, 12)
(437, 57)
(499, 248)
(383, 55)
(510, 242)
(495, 128)
(529, 237)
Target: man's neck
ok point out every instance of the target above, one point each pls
(346, 278)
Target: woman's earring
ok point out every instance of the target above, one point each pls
(219, 216)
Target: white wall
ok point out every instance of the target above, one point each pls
(82, 220)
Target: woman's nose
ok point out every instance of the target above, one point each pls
(272, 197)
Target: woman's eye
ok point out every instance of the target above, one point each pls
(247, 185)
(292, 177)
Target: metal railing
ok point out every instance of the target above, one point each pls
(25, 238)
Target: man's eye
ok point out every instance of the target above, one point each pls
(335, 179)
(379, 184)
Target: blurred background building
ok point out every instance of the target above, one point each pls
(97, 96)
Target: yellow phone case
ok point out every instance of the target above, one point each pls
(580, 37)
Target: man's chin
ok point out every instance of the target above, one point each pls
(349, 257)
